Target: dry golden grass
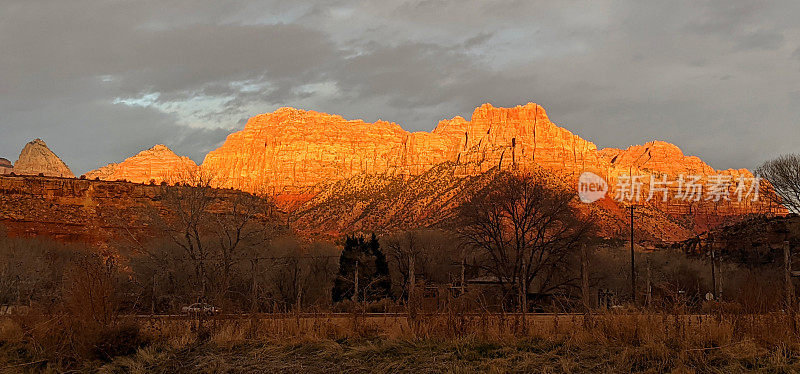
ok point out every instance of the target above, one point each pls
(634, 341)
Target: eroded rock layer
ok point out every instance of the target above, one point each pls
(103, 214)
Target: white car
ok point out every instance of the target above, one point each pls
(200, 308)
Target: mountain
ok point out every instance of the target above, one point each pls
(334, 175)
(292, 150)
(157, 164)
(296, 151)
(294, 154)
(383, 204)
(36, 159)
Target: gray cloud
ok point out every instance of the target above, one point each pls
(101, 80)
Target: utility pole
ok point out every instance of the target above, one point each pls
(355, 294)
(412, 284)
(713, 270)
(585, 278)
(649, 289)
(523, 301)
(787, 275)
(633, 264)
(633, 259)
(254, 290)
(463, 285)
(412, 279)
(152, 295)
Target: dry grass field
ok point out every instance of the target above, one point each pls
(631, 341)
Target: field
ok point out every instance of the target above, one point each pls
(626, 341)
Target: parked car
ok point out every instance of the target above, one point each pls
(200, 308)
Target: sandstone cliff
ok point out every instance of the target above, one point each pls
(6, 167)
(156, 164)
(296, 152)
(292, 150)
(298, 156)
(36, 158)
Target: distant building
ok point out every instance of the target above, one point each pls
(501, 294)
(6, 167)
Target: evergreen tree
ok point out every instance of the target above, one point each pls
(383, 288)
(373, 271)
(343, 285)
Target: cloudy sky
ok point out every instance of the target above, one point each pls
(101, 80)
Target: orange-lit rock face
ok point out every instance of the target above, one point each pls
(158, 164)
(37, 159)
(661, 159)
(339, 175)
(292, 150)
(519, 136)
(299, 152)
(296, 154)
(657, 156)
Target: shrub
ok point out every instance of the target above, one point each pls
(119, 340)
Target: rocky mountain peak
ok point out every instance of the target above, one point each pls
(36, 158)
(157, 164)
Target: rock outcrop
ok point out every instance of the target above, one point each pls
(156, 164)
(99, 213)
(36, 159)
(292, 149)
(6, 167)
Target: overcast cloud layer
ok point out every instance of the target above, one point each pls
(101, 80)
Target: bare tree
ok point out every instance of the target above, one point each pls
(213, 233)
(435, 256)
(32, 270)
(783, 175)
(299, 273)
(527, 230)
